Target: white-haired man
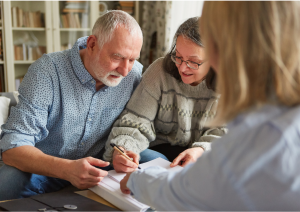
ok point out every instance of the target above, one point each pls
(68, 101)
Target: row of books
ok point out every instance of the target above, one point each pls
(1, 49)
(127, 6)
(74, 20)
(21, 18)
(0, 16)
(24, 52)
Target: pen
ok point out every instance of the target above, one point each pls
(122, 152)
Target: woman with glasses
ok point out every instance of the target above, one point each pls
(169, 108)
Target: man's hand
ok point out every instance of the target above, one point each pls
(187, 156)
(83, 174)
(122, 164)
(123, 183)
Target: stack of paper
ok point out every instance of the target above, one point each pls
(109, 187)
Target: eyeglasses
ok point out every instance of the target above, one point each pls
(190, 64)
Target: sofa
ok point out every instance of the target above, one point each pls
(7, 100)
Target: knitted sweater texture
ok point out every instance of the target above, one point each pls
(164, 110)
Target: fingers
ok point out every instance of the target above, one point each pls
(123, 185)
(186, 162)
(86, 185)
(177, 160)
(97, 172)
(97, 162)
(122, 164)
(134, 156)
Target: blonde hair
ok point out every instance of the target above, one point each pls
(258, 49)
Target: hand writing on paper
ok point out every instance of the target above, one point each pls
(83, 174)
(123, 185)
(187, 156)
(122, 164)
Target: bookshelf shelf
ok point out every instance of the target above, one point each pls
(31, 28)
(23, 61)
(21, 37)
(28, 28)
(74, 29)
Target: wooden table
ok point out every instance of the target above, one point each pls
(95, 197)
(91, 195)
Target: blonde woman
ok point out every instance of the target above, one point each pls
(255, 50)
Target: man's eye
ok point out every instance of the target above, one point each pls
(132, 60)
(117, 58)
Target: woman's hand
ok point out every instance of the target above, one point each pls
(123, 183)
(122, 164)
(187, 156)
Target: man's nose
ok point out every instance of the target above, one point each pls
(124, 68)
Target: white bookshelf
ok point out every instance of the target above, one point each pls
(51, 36)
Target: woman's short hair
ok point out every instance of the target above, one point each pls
(258, 48)
(189, 30)
(106, 24)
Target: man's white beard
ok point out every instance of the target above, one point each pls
(98, 71)
(112, 82)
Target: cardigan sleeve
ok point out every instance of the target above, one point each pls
(134, 128)
(210, 134)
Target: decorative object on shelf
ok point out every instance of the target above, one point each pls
(102, 8)
(27, 47)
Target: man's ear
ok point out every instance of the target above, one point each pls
(91, 43)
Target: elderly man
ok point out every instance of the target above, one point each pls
(68, 102)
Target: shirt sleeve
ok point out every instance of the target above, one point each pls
(186, 190)
(27, 123)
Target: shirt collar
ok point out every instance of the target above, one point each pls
(79, 69)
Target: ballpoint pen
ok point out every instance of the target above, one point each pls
(122, 152)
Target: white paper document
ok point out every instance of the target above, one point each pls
(109, 187)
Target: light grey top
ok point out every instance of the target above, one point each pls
(164, 110)
(254, 167)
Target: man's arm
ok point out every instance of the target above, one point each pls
(81, 173)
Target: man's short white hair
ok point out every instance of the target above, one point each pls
(106, 24)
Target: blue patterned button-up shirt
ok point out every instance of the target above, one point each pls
(59, 110)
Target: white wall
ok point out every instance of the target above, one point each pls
(181, 11)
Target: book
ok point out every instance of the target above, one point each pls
(109, 187)
(126, 3)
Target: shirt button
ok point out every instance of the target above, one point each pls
(90, 119)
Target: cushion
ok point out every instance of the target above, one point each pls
(4, 109)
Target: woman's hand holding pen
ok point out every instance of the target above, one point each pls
(187, 156)
(122, 164)
(123, 185)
